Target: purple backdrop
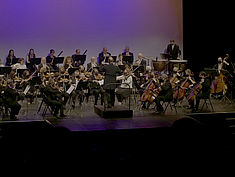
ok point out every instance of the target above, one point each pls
(144, 25)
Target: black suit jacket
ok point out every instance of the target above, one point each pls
(101, 57)
(89, 66)
(111, 71)
(175, 52)
(124, 54)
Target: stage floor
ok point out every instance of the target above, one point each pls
(83, 118)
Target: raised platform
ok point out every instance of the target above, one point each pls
(115, 112)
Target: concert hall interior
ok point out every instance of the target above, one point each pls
(119, 81)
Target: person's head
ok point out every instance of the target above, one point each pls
(175, 69)
(172, 41)
(26, 73)
(111, 60)
(105, 50)
(52, 52)
(21, 61)
(81, 68)
(31, 51)
(78, 51)
(127, 49)
(68, 60)
(125, 72)
(120, 57)
(140, 56)
(43, 60)
(76, 73)
(220, 60)
(11, 53)
(188, 72)
(92, 59)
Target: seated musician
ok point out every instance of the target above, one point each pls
(68, 63)
(103, 56)
(1, 64)
(10, 57)
(11, 99)
(91, 65)
(19, 65)
(95, 85)
(175, 78)
(54, 98)
(125, 88)
(120, 60)
(44, 65)
(165, 94)
(140, 61)
(50, 59)
(74, 56)
(200, 91)
(127, 52)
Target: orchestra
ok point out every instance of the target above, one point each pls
(72, 81)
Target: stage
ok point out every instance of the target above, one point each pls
(84, 118)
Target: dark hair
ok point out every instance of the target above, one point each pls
(52, 50)
(10, 52)
(33, 53)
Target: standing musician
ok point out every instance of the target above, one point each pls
(200, 91)
(91, 65)
(96, 85)
(29, 61)
(10, 57)
(165, 93)
(111, 71)
(173, 50)
(125, 88)
(103, 56)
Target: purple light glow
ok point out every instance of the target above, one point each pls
(144, 25)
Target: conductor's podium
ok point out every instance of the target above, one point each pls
(118, 111)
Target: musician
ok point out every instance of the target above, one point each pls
(111, 71)
(96, 86)
(92, 64)
(50, 59)
(19, 65)
(29, 63)
(127, 52)
(229, 66)
(1, 64)
(203, 92)
(11, 100)
(173, 50)
(125, 88)
(165, 94)
(44, 65)
(79, 62)
(68, 63)
(120, 60)
(103, 56)
(10, 57)
(54, 99)
(140, 61)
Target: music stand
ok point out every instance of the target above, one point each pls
(35, 61)
(114, 59)
(81, 58)
(15, 60)
(5, 70)
(128, 59)
(20, 72)
(59, 60)
(72, 70)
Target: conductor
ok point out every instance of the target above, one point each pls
(111, 71)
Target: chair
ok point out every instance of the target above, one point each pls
(171, 104)
(205, 103)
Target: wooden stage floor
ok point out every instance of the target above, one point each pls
(83, 118)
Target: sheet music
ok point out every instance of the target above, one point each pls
(71, 88)
(26, 89)
(101, 82)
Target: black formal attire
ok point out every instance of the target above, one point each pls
(9, 61)
(77, 62)
(49, 59)
(11, 101)
(89, 66)
(174, 52)
(96, 89)
(31, 65)
(111, 71)
(165, 95)
(102, 57)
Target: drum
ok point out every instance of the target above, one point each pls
(160, 65)
(181, 64)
